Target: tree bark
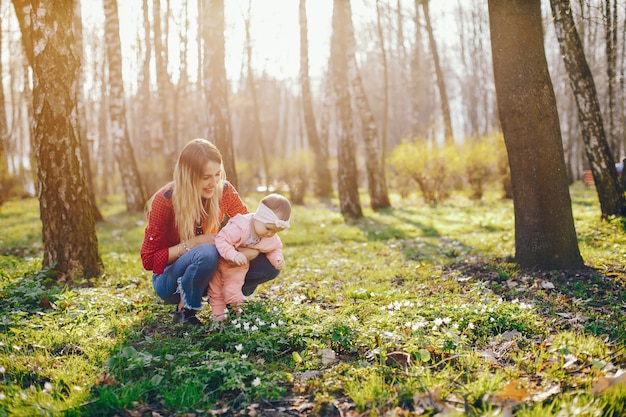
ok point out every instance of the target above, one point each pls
(322, 181)
(131, 181)
(68, 233)
(347, 186)
(597, 148)
(545, 237)
(216, 85)
(374, 167)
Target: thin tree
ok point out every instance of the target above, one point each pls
(545, 237)
(68, 227)
(4, 137)
(82, 114)
(216, 85)
(611, 25)
(441, 84)
(134, 191)
(348, 187)
(164, 83)
(256, 111)
(374, 165)
(322, 181)
(383, 54)
(589, 114)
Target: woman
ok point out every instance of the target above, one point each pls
(183, 218)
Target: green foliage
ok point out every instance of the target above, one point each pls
(407, 310)
(440, 170)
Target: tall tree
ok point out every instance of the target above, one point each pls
(164, 83)
(597, 148)
(82, 114)
(374, 165)
(611, 25)
(4, 136)
(131, 181)
(322, 181)
(545, 236)
(69, 233)
(441, 84)
(348, 185)
(256, 111)
(216, 85)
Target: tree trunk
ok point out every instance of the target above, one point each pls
(164, 83)
(216, 85)
(322, 181)
(589, 114)
(441, 85)
(377, 185)
(383, 55)
(82, 116)
(545, 237)
(69, 233)
(611, 74)
(347, 186)
(131, 181)
(4, 137)
(256, 112)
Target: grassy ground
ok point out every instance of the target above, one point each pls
(412, 311)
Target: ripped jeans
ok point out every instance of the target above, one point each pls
(189, 276)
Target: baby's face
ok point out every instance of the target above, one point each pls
(265, 229)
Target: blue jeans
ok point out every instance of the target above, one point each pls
(188, 276)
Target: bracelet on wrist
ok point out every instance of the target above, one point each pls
(187, 249)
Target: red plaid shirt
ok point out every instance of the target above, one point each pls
(161, 232)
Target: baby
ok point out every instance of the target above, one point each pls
(254, 230)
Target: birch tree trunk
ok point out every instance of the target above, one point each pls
(347, 186)
(597, 148)
(131, 181)
(545, 237)
(376, 182)
(322, 181)
(216, 85)
(68, 233)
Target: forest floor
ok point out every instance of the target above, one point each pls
(414, 311)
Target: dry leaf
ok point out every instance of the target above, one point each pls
(512, 391)
(605, 383)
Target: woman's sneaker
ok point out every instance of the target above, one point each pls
(186, 315)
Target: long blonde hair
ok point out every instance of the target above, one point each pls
(189, 207)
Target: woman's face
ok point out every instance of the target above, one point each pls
(211, 175)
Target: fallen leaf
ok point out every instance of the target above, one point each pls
(606, 383)
(512, 391)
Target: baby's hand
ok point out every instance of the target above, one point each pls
(240, 259)
(280, 264)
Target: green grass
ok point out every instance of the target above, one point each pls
(414, 310)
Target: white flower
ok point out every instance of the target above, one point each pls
(256, 382)
(239, 347)
(280, 322)
(2, 396)
(438, 322)
(447, 320)
(47, 387)
(470, 325)
(2, 369)
(273, 326)
(244, 356)
(254, 328)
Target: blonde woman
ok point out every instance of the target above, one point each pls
(183, 218)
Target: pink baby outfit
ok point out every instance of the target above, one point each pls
(225, 286)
